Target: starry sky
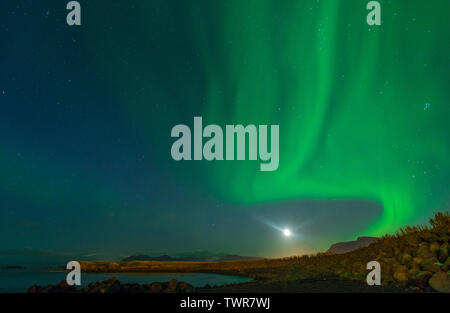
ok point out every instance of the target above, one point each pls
(86, 114)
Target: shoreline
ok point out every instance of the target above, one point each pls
(253, 269)
(268, 276)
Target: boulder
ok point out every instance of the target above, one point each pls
(62, 287)
(413, 270)
(400, 276)
(423, 237)
(387, 269)
(172, 285)
(427, 236)
(430, 265)
(406, 258)
(421, 279)
(443, 253)
(434, 247)
(185, 287)
(156, 287)
(446, 265)
(400, 268)
(357, 268)
(440, 282)
(423, 251)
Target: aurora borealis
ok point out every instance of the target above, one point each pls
(86, 115)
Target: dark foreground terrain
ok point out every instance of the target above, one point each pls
(416, 259)
(304, 286)
(294, 286)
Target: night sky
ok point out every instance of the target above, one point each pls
(86, 114)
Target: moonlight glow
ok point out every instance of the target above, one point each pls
(287, 232)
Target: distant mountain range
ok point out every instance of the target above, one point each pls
(344, 247)
(338, 248)
(193, 256)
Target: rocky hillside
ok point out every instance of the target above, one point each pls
(416, 258)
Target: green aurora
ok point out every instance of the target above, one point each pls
(362, 110)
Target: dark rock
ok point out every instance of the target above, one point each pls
(440, 281)
(63, 284)
(357, 268)
(434, 247)
(413, 270)
(400, 276)
(114, 286)
(406, 258)
(62, 287)
(156, 287)
(172, 285)
(421, 279)
(430, 265)
(428, 237)
(423, 251)
(443, 253)
(185, 287)
(446, 265)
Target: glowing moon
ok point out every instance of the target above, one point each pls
(287, 232)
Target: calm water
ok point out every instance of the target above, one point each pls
(18, 280)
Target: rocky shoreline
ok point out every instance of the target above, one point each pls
(114, 286)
